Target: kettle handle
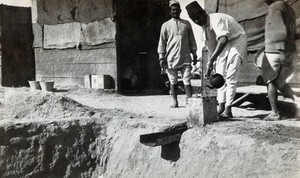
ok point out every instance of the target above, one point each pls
(210, 87)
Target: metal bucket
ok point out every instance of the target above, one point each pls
(34, 85)
(47, 86)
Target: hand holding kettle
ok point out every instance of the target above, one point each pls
(208, 71)
(207, 74)
(216, 81)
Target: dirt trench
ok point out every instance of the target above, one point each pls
(52, 135)
(43, 135)
(64, 149)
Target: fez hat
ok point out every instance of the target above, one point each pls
(194, 8)
(173, 2)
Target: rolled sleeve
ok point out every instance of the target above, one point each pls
(221, 28)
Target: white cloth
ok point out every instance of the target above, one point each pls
(185, 72)
(229, 61)
(278, 69)
(177, 42)
(227, 93)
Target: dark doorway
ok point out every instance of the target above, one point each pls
(16, 38)
(138, 29)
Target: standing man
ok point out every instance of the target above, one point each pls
(280, 50)
(176, 43)
(226, 41)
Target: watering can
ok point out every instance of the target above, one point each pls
(216, 81)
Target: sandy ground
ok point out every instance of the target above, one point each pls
(243, 147)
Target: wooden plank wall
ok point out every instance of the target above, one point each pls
(68, 66)
(73, 39)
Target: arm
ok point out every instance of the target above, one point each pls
(161, 49)
(193, 44)
(222, 41)
(221, 29)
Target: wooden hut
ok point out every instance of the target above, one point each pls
(116, 38)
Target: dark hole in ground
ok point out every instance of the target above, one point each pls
(168, 140)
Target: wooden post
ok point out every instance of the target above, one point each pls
(203, 109)
(205, 90)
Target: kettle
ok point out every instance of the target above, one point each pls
(216, 81)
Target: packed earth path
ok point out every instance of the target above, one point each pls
(92, 133)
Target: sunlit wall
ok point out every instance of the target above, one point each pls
(23, 3)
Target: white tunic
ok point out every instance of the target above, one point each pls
(219, 25)
(177, 42)
(229, 61)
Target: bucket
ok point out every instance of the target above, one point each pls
(34, 85)
(47, 86)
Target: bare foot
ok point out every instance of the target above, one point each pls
(175, 105)
(220, 108)
(272, 117)
(227, 114)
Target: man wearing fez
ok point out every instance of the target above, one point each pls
(226, 41)
(176, 43)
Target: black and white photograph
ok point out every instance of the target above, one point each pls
(149, 88)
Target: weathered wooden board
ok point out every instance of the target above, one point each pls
(162, 138)
(75, 70)
(204, 82)
(202, 110)
(75, 56)
(63, 81)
